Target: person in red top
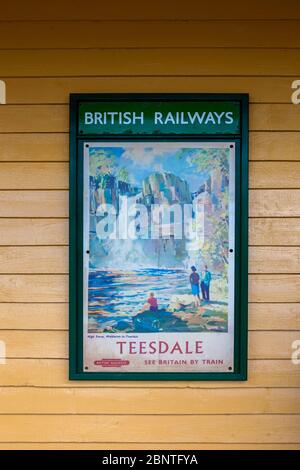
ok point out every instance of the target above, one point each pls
(153, 302)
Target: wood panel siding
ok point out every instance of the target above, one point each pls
(48, 50)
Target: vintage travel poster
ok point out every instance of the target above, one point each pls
(159, 222)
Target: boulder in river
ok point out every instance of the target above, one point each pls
(161, 320)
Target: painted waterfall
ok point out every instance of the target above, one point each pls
(158, 212)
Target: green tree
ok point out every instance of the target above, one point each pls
(123, 174)
(206, 160)
(102, 163)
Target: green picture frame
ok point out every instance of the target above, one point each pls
(77, 139)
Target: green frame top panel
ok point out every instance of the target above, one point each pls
(159, 118)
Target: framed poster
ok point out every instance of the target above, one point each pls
(158, 236)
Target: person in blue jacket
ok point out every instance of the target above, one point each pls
(194, 280)
(205, 283)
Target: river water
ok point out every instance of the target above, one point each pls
(125, 293)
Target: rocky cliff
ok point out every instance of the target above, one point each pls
(163, 187)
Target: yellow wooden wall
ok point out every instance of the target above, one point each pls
(49, 49)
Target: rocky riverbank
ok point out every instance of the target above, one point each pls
(181, 315)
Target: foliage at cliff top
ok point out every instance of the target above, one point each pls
(206, 159)
(104, 163)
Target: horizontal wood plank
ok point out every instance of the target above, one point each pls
(272, 316)
(40, 316)
(37, 259)
(54, 288)
(44, 428)
(47, 316)
(34, 204)
(263, 259)
(54, 259)
(274, 175)
(265, 231)
(269, 231)
(43, 118)
(274, 117)
(263, 203)
(108, 34)
(38, 147)
(34, 147)
(54, 118)
(145, 446)
(149, 401)
(34, 288)
(155, 61)
(274, 288)
(274, 203)
(54, 344)
(70, 10)
(272, 344)
(56, 90)
(40, 175)
(54, 373)
(274, 146)
(34, 175)
(34, 231)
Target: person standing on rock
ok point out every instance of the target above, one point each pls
(194, 280)
(205, 283)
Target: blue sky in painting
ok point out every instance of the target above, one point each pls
(142, 161)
